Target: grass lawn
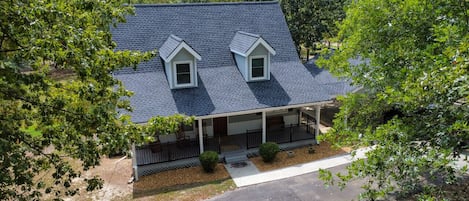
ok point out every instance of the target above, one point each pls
(301, 155)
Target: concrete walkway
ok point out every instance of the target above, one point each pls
(239, 172)
(250, 175)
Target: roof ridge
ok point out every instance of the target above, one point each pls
(205, 4)
(175, 38)
(249, 34)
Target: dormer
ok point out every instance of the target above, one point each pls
(180, 63)
(252, 55)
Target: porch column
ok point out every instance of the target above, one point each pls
(299, 116)
(134, 162)
(201, 137)
(318, 120)
(264, 127)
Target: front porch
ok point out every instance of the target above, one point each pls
(171, 151)
(290, 128)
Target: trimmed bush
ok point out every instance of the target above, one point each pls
(268, 151)
(209, 160)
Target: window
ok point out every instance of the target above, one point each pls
(258, 67)
(183, 73)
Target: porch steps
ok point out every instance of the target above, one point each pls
(235, 156)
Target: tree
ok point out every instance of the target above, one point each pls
(415, 67)
(46, 122)
(311, 21)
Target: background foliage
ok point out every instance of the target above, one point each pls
(414, 108)
(312, 21)
(46, 121)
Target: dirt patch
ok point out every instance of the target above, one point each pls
(182, 180)
(301, 155)
(115, 172)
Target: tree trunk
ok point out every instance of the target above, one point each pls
(307, 54)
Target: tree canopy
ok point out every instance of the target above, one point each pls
(46, 121)
(415, 67)
(311, 21)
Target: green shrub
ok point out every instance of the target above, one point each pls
(209, 160)
(268, 151)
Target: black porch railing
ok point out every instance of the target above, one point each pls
(289, 133)
(165, 152)
(212, 143)
(253, 138)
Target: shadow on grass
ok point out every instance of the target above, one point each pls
(140, 193)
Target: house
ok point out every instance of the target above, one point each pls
(234, 67)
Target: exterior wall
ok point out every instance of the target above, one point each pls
(241, 63)
(169, 73)
(167, 138)
(182, 55)
(208, 128)
(239, 124)
(259, 50)
(172, 137)
(289, 117)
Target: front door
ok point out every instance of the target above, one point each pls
(220, 127)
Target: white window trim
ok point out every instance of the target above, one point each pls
(265, 67)
(191, 71)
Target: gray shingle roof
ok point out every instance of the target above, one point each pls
(210, 29)
(169, 46)
(243, 41)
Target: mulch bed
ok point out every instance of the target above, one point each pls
(301, 155)
(177, 179)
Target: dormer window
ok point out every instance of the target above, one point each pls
(180, 63)
(258, 64)
(252, 54)
(183, 71)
